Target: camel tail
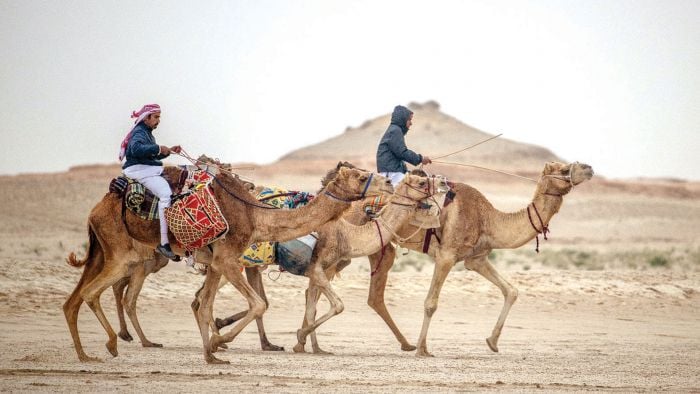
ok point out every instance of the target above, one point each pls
(72, 259)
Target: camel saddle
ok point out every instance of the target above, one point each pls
(140, 200)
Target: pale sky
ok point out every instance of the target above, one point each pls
(612, 83)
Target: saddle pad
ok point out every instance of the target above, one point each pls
(263, 253)
(196, 220)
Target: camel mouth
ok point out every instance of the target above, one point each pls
(581, 172)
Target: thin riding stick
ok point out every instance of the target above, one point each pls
(471, 146)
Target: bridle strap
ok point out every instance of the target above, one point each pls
(381, 256)
(544, 227)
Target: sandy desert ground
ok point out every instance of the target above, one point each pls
(611, 304)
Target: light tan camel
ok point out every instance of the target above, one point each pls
(341, 241)
(472, 228)
(250, 223)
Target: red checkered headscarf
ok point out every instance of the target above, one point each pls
(140, 115)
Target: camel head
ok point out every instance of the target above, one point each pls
(415, 187)
(560, 178)
(354, 184)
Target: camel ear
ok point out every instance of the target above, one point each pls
(342, 171)
(548, 168)
(339, 166)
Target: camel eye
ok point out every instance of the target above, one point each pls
(421, 183)
(565, 171)
(363, 178)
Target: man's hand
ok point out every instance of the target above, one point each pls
(426, 160)
(164, 150)
(176, 149)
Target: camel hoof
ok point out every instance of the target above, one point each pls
(408, 348)
(219, 323)
(492, 345)
(272, 348)
(322, 352)
(125, 336)
(222, 346)
(423, 353)
(112, 347)
(87, 359)
(213, 360)
(151, 344)
(299, 348)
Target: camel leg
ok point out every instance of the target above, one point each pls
(118, 290)
(442, 268)
(91, 295)
(204, 298)
(311, 296)
(138, 276)
(484, 267)
(314, 341)
(72, 305)
(256, 305)
(255, 279)
(377, 286)
(318, 279)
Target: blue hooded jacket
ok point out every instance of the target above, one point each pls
(142, 148)
(392, 151)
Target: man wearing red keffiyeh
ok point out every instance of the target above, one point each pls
(143, 163)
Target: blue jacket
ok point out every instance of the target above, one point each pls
(142, 148)
(392, 151)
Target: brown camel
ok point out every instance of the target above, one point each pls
(250, 223)
(341, 241)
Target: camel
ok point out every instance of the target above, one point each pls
(341, 241)
(250, 223)
(471, 228)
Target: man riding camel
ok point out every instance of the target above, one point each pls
(392, 151)
(143, 164)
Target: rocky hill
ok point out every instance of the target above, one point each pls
(434, 133)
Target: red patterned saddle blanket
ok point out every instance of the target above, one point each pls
(195, 218)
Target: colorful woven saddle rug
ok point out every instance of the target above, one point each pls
(266, 253)
(140, 200)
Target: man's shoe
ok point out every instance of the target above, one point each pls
(167, 252)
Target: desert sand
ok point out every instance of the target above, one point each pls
(610, 304)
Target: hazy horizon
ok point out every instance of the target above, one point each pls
(610, 83)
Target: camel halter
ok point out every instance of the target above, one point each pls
(362, 195)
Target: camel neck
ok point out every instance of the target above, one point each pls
(286, 224)
(511, 230)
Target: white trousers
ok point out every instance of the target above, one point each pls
(150, 177)
(394, 177)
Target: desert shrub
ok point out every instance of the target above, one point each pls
(658, 261)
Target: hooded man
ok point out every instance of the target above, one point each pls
(392, 151)
(143, 163)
